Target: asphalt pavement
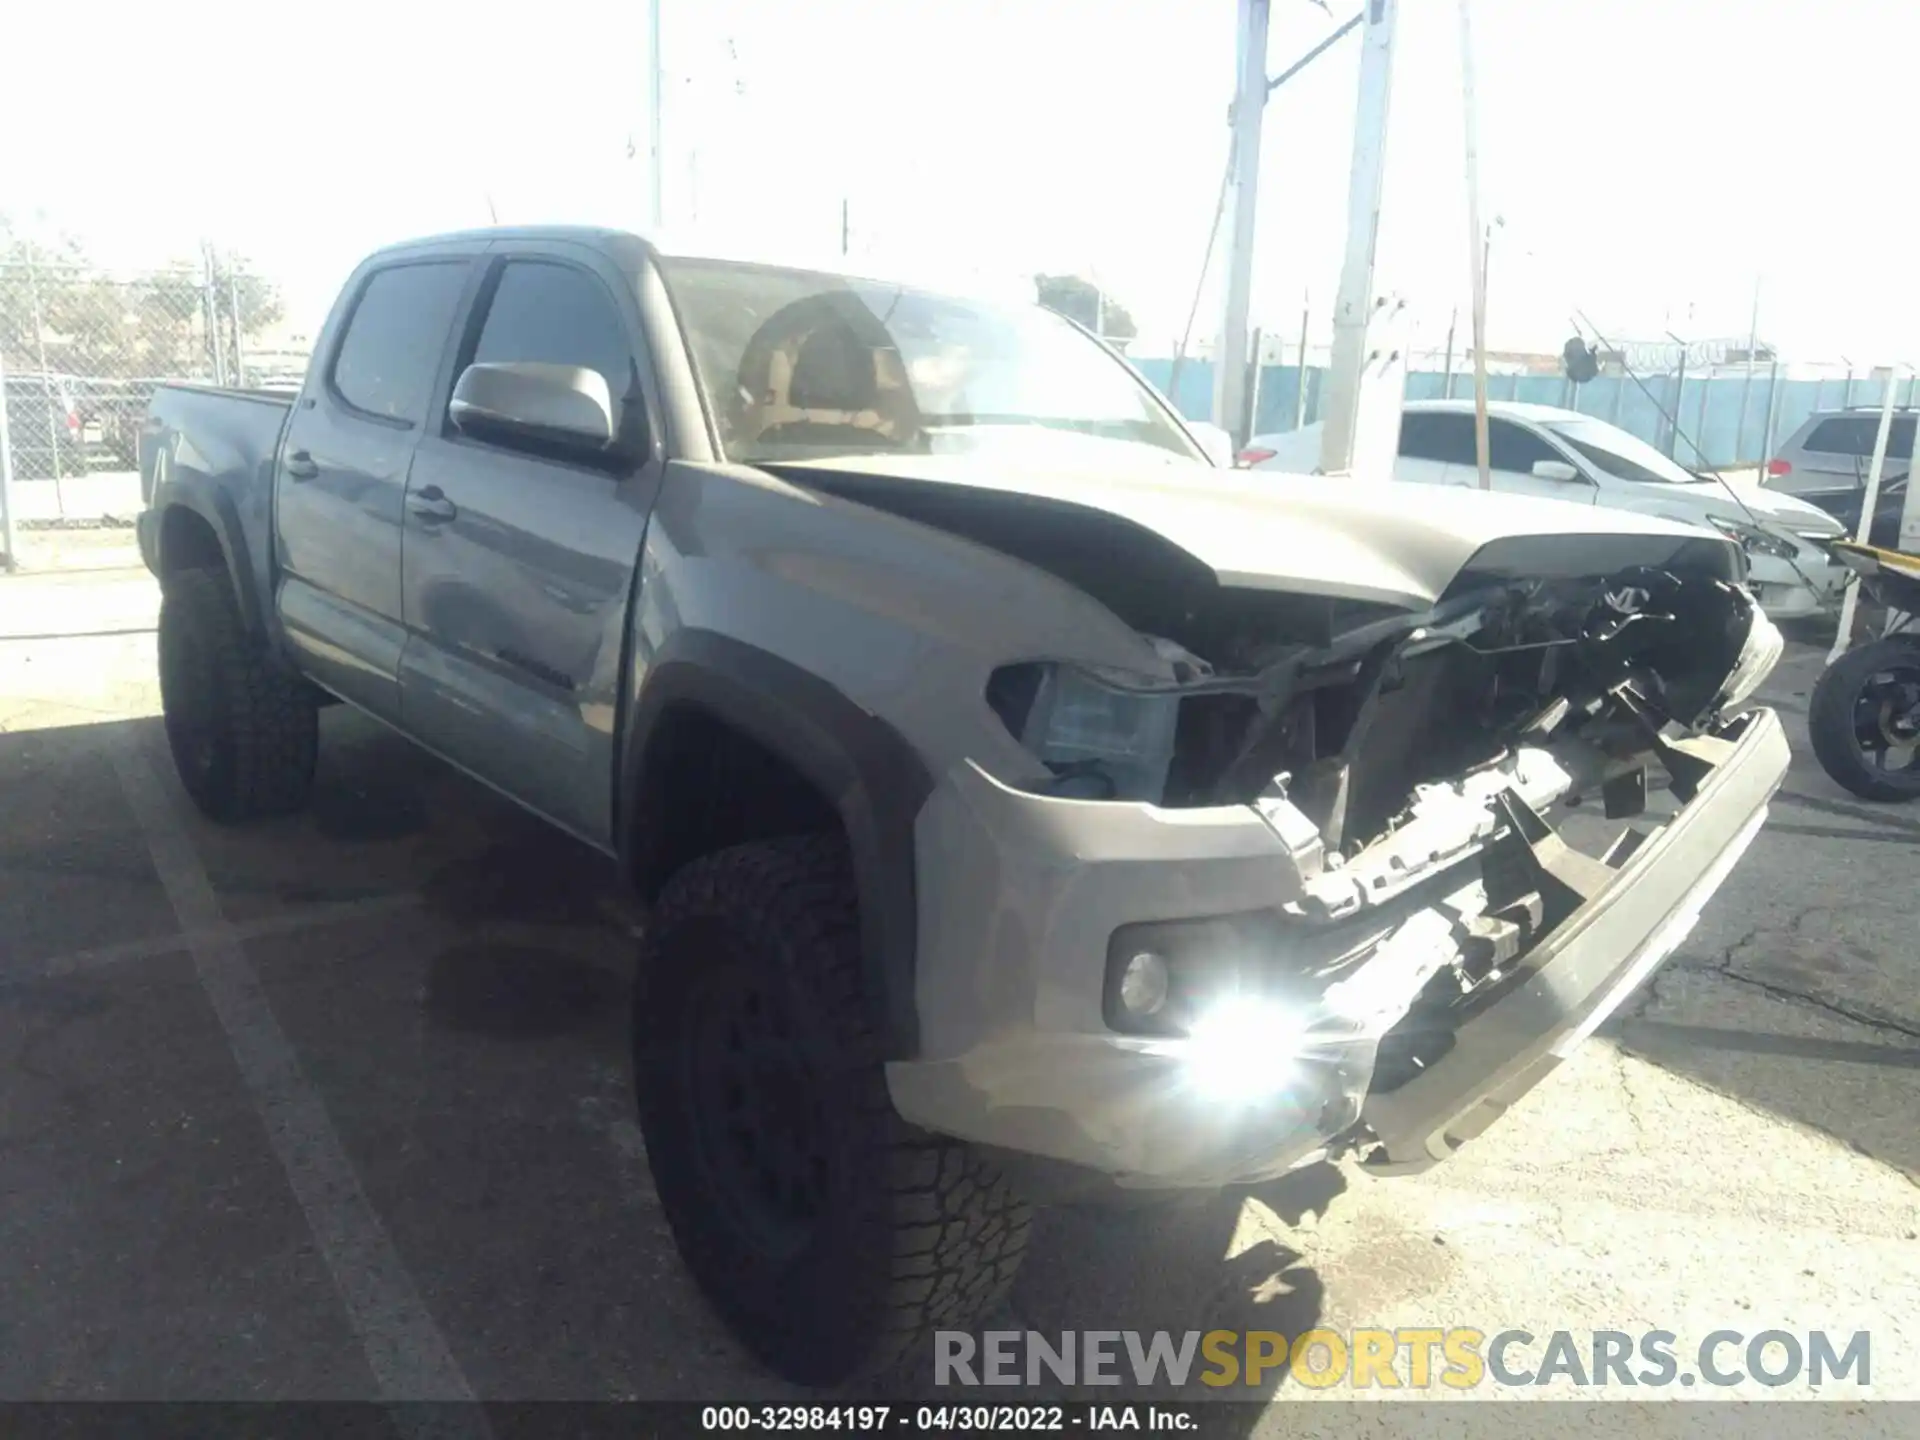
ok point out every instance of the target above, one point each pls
(338, 1107)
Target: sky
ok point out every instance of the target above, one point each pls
(1653, 163)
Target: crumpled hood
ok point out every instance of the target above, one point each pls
(1349, 539)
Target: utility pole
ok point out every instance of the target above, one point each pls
(1869, 502)
(9, 554)
(1483, 239)
(1909, 510)
(1249, 106)
(656, 82)
(1366, 381)
(1746, 385)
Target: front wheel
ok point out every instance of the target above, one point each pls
(1864, 720)
(829, 1234)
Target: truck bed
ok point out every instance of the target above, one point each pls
(226, 429)
(219, 444)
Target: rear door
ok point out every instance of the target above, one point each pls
(519, 566)
(342, 484)
(1830, 470)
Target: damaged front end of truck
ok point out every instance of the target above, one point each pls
(1422, 936)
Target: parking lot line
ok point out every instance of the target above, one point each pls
(292, 922)
(404, 1348)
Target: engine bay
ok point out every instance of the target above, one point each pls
(1387, 758)
(1607, 668)
(1605, 647)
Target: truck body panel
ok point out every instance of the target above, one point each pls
(552, 622)
(210, 453)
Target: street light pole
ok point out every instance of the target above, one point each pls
(656, 82)
(1366, 378)
(1469, 101)
(1249, 105)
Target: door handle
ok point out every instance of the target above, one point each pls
(432, 504)
(300, 466)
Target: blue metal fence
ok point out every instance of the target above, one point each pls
(1709, 410)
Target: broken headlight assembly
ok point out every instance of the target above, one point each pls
(1100, 740)
(1753, 539)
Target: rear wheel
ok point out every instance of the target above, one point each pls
(831, 1236)
(244, 730)
(1864, 720)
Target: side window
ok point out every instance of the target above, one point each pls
(395, 336)
(1512, 449)
(1445, 438)
(1852, 436)
(556, 315)
(1416, 437)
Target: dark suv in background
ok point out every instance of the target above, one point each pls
(45, 427)
(111, 412)
(1825, 463)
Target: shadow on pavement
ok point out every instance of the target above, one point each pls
(1796, 994)
(452, 977)
(1218, 1262)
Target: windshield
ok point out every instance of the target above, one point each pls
(798, 365)
(1614, 452)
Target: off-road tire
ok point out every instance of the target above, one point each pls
(243, 729)
(1830, 721)
(912, 1232)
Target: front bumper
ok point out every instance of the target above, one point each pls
(1020, 894)
(1790, 590)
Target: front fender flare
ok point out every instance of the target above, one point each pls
(874, 780)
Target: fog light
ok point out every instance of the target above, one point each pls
(1244, 1049)
(1144, 984)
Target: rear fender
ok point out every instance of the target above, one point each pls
(217, 510)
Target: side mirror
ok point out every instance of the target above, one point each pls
(1554, 470)
(564, 406)
(1215, 441)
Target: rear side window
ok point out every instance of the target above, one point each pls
(1853, 435)
(386, 361)
(1447, 439)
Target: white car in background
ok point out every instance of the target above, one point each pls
(1564, 455)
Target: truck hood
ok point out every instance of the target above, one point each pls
(1341, 538)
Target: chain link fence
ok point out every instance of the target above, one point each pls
(1718, 408)
(82, 350)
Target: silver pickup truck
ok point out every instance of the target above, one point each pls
(1025, 806)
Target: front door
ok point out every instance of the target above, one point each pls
(344, 473)
(1512, 452)
(518, 568)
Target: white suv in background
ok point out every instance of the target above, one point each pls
(1564, 455)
